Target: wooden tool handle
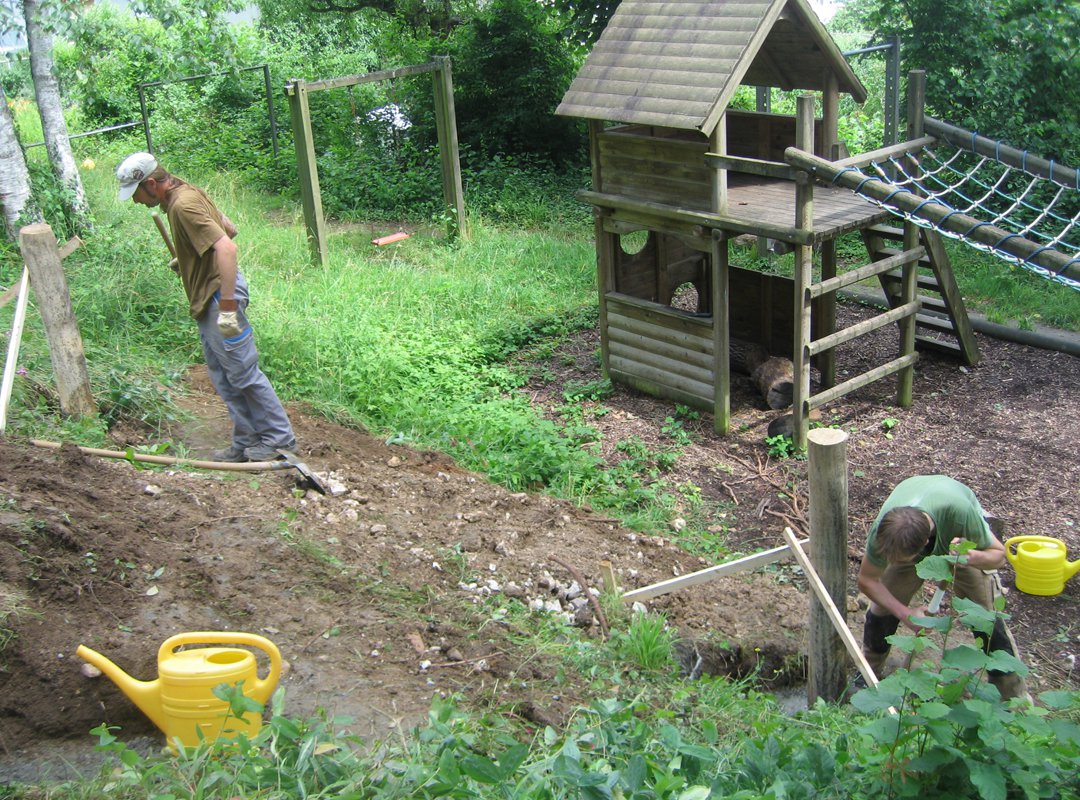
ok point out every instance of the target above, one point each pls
(164, 233)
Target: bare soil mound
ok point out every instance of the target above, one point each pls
(378, 596)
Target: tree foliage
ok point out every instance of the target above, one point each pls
(511, 69)
(1009, 69)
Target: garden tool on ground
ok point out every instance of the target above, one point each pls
(288, 461)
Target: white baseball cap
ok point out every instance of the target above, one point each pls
(132, 171)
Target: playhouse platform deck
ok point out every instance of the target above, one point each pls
(836, 210)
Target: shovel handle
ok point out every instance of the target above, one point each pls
(244, 466)
(164, 233)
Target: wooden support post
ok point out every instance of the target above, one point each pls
(446, 130)
(721, 334)
(307, 171)
(916, 103)
(830, 116)
(825, 322)
(605, 245)
(853, 648)
(804, 266)
(905, 378)
(829, 533)
(42, 257)
(718, 144)
(607, 578)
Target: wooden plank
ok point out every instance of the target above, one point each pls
(939, 260)
(662, 316)
(859, 381)
(885, 153)
(692, 356)
(751, 166)
(659, 388)
(868, 271)
(743, 564)
(629, 366)
(721, 298)
(705, 219)
(647, 357)
(864, 327)
(370, 77)
(839, 623)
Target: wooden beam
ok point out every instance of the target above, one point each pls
(804, 268)
(859, 381)
(702, 218)
(42, 258)
(743, 564)
(838, 622)
(449, 155)
(980, 145)
(371, 77)
(307, 171)
(829, 531)
(885, 153)
(752, 166)
(936, 213)
(721, 292)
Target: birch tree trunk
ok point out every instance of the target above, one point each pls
(15, 201)
(51, 110)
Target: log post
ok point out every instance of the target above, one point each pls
(804, 267)
(307, 171)
(829, 536)
(42, 258)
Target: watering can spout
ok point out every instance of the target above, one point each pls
(1072, 568)
(145, 694)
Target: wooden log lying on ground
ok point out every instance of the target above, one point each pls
(773, 375)
(775, 380)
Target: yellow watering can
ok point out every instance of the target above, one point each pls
(1040, 564)
(181, 701)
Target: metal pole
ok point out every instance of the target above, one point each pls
(145, 120)
(270, 109)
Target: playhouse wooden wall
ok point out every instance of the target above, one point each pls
(666, 165)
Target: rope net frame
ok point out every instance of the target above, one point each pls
(977, 197)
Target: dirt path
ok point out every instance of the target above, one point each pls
(394, 590)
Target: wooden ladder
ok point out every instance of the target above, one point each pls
(942, 308)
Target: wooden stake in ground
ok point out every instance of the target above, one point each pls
(830, 608)
(827, 452)
(43, 260)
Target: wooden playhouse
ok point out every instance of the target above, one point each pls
(677, 175)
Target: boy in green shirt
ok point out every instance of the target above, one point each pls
(926, 515)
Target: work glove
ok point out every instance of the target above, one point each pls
(228, 324)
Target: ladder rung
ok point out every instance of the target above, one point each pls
(934, 322)
(942, 346)
(926, 281)
(886, 231)
(923, 281)
(885, 252)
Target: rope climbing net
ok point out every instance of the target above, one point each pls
(1021, 208)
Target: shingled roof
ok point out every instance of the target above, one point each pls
(678, 64)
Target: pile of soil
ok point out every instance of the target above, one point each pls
(387, 592)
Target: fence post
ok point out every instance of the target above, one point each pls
(804, 267)
(43, 261)
(828, 552)
(446, 130)
(307, 171)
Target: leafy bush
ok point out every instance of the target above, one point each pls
(510, 71)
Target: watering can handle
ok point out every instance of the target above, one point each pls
(1018, 540)
(228, 637)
